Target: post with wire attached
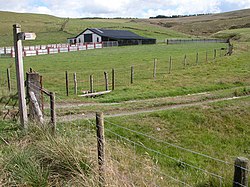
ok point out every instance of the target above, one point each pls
(132, 75)
(154, 73)
(241, 172)
(100, 147)
(8, 79)
(170, 65)
(53, 112)
(75, 84)
(106, 81)
(113, 79)
(91, 83)
(197, 58)
(67, 83)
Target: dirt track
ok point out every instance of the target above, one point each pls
(115, 113)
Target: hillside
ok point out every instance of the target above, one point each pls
(50, 29)
(204, 25)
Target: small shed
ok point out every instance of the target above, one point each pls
(123, 37)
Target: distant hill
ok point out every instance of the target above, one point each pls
(204, 25)
(51, 29)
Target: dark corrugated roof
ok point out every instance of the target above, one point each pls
(114, 34)
(117, 34)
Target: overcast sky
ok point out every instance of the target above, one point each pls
(121, 8)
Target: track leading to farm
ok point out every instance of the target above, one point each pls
(139, 106)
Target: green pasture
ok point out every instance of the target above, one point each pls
(213, 74)
(219, 130)
(242, 35)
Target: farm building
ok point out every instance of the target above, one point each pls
(123, 37)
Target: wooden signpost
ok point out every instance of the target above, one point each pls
(18, 37)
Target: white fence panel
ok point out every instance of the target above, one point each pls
(42, 51)
(30, 53)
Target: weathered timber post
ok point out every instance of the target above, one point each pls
(8, 79)
(100, 147)
(53, 112)
(20, 75)
(42, 98)
(230, 49)
(75, 84)
(106, 81)
(154, 73)
(91, 83)
(214, 53)
(240, 172)
(67, 83)
(113, 79)
(197, 58)
(132, 75)
(36, 111)
(185, 61)
(170, 65)
(34, 86)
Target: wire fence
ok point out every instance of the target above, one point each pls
(136, 158)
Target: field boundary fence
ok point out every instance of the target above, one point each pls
(55, 48)
(134, 139)
(109, 79)
(188, 41)
(121, 147)
(115, 78)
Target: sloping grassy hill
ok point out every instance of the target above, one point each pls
(50, 29)
(242, 35)
(204, 25)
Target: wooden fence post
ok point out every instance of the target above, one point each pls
(67, 83)
(214, 53)
(170, 65)
(206, 56)
(8, 79)
(75, 84)
(100, 147)
(132, 74)
(240, 172)
(185, 61)
(91, 83)
(197, 58)
(106, 81)
(154, 73)
(113, 79)
(53, 112)
(36, 111)
(42, 98)
(34, 86)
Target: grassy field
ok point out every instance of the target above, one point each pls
(204, 25)
(135, 144)
(220, 73)
(166, 148)
(242, 35)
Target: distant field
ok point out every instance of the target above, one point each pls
(223, 72)
(204, 25)
(50, 29)
(242, 35)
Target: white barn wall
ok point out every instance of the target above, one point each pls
(94, 37)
